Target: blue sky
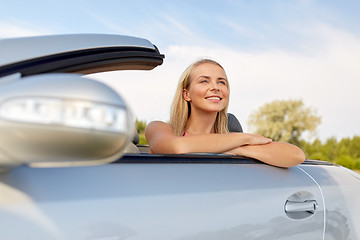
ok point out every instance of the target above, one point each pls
(271, 50)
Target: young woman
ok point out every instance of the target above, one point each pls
(198, 122)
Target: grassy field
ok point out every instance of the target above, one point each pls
(358, 171)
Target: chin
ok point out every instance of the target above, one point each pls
(215, 110)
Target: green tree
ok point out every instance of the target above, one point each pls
(345, 152)
(140, 127)
(284, 120)
(354, 147)
(314, 150)
(330, 148)
(346, 161)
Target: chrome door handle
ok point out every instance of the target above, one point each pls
(309, 206)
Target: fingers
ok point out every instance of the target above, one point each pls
(256, 139)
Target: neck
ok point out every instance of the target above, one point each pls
(201, 123)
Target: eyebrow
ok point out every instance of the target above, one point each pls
(207, 77)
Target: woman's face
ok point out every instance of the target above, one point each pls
(208, 89)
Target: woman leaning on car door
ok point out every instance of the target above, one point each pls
(198, 122)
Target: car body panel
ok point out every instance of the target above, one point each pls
(340, 187)
(160, 201)
(80, 53)
(17, 49)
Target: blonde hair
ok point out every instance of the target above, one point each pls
(180, 109)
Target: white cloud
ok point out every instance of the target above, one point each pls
(20, 29)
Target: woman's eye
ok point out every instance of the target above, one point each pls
(222, 82)
(203, 81)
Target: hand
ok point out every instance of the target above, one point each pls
(256, 139)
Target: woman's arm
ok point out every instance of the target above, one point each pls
(276, 153)
(161, 139)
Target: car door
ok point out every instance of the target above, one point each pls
(144, 196)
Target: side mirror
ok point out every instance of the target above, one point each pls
(61, 120)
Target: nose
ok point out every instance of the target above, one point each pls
(214, 87)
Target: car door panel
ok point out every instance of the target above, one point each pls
(339, 186)
(162, 201)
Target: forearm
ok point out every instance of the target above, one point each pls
(162, 140)
(211, 143)
(276, 153)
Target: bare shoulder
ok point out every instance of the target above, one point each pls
(158, 134)
(157, 126)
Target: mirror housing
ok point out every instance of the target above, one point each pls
(61, 120)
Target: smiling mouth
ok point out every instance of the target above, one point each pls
(213, 98)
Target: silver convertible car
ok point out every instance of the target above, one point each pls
(70, 168)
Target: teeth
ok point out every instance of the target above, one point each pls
(216, 98)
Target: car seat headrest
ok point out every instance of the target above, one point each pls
(233, 123)
(136, 137)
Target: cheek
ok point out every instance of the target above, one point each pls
(197, 91)
(225, 91)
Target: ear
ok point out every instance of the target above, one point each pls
(186, 95)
